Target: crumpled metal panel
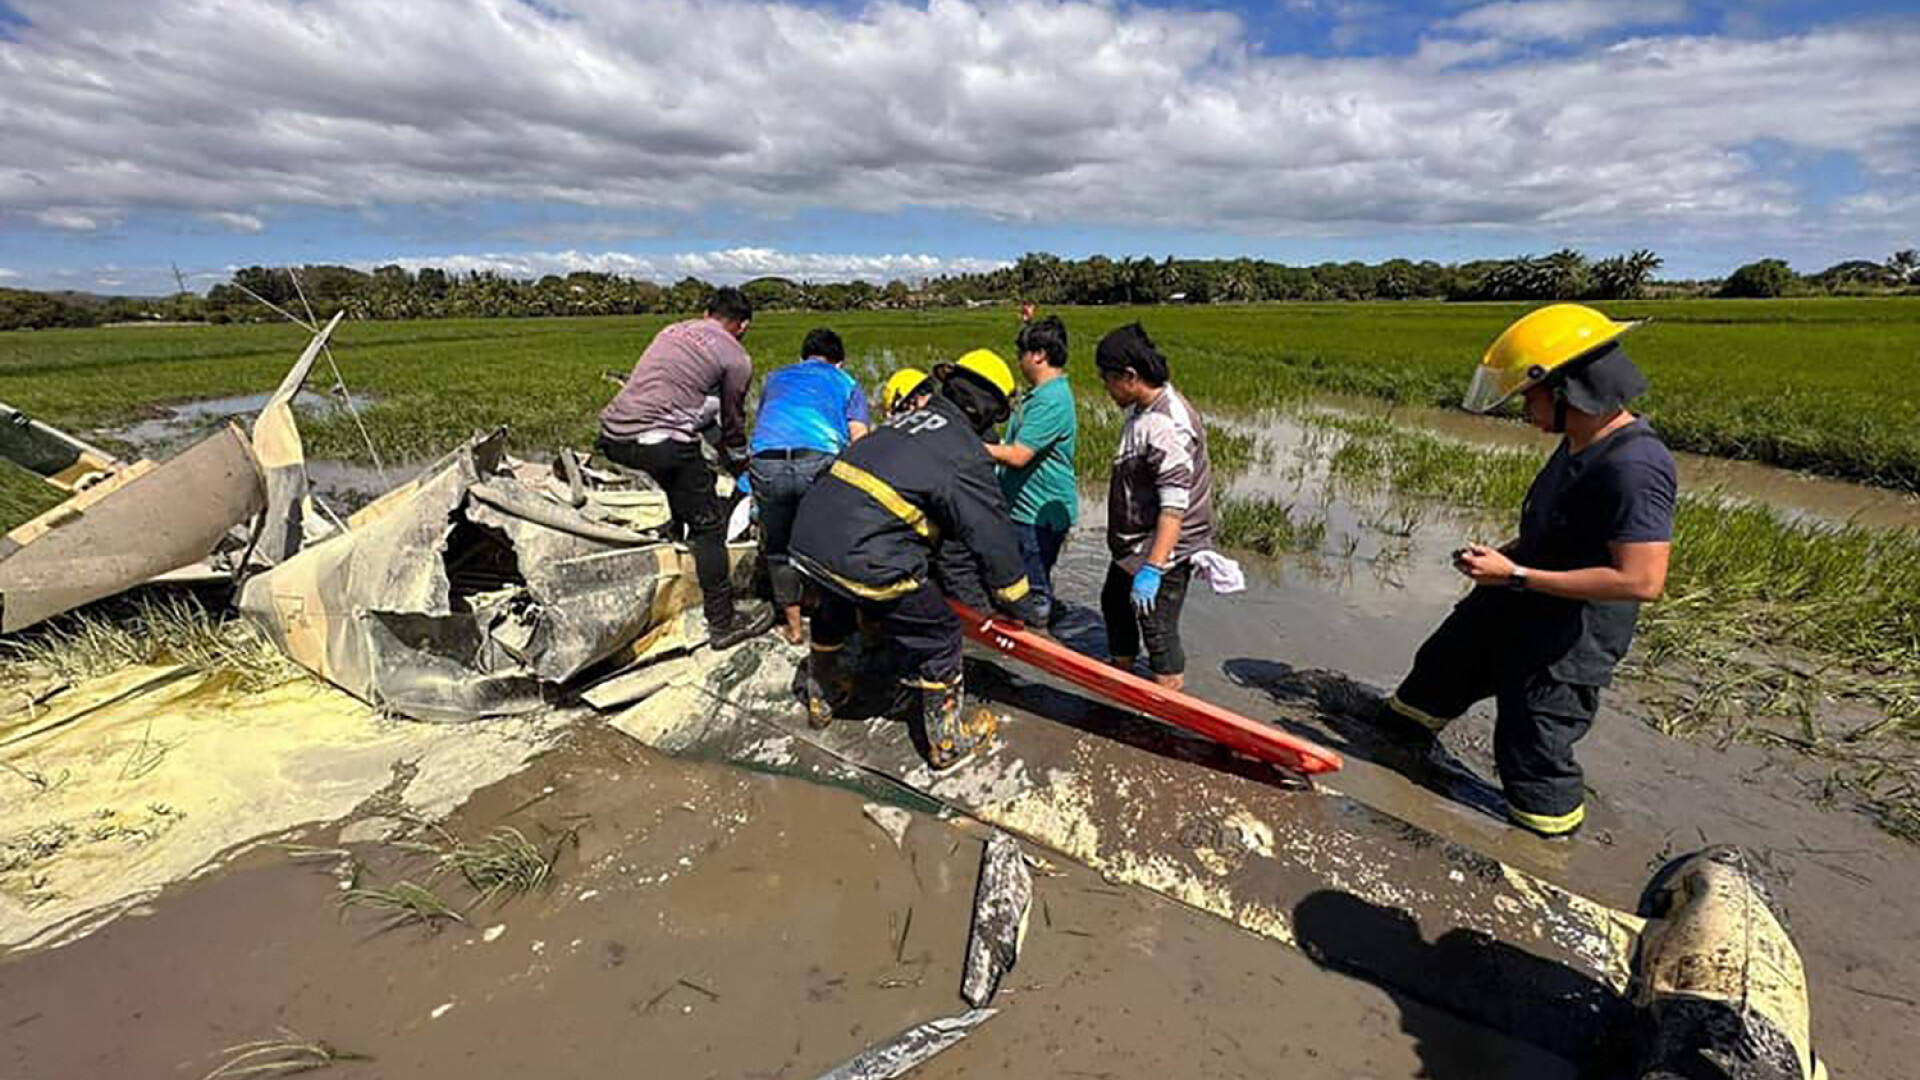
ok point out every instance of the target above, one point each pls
(106, 541)
(1002, 900)
(591, 598)
(441, 604)
(371, 610)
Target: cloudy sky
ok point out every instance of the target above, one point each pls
(841, 138)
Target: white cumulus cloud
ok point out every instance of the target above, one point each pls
(733, 265)
(1046, 111)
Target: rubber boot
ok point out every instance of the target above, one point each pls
(1403, 730)
(829, 685)
(952, 731)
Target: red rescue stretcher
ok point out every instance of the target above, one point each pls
(1230, 729)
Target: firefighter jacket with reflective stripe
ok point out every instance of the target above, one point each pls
(868, 529)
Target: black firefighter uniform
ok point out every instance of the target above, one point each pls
(1543, 659)
(917, 492)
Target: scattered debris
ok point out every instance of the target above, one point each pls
(441, 1010)
(492, 933)
(474, 590)
(1716, 974)
(1001, 903)
(910, 1048)
(633, 687)
(892, 820)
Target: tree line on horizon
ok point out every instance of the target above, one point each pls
(394, 292)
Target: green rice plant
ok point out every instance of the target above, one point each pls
(1267, 526)
(285, 1055)
(403, 902)
(24, 496)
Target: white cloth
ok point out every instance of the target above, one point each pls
(1220, 573)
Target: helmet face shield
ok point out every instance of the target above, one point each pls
(1491, 387)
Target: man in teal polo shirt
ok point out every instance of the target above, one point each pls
(1036, 460)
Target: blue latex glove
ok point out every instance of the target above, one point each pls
(1146, 587)
(743, 483)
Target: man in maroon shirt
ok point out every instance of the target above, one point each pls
(653, 425)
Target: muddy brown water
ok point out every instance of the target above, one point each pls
(712, 923)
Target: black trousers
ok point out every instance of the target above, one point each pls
(922, 630)
(686, 478)
(1538, 717)
(1161, 626)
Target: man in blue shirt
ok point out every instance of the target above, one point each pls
(809, 412)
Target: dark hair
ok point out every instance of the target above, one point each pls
(825, 344)
(1049, 336)
(730, 304)
(980, 400)
(1130, 349)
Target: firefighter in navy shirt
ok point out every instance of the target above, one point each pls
(1553, 611)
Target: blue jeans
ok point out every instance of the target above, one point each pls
(1040, 549)
(778, 485)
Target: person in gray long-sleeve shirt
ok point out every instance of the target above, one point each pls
(653, 425)
(1159, 506)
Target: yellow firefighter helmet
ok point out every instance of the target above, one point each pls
(987, 365)
(1537, 344)
(899, 387)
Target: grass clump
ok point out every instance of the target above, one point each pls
(1267, 526)
(503, 863)
(403, 902)
(285, 1055)
(167, 628)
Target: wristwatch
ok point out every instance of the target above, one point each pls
(1517, 580)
